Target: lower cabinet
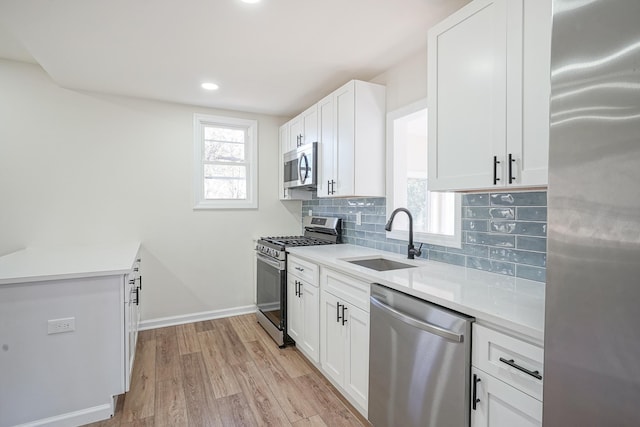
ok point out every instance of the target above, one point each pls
(506, 380)
(303, 318)
(501, 405)
(344, 335)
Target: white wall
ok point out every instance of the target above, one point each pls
(79, 168)
(406, 82)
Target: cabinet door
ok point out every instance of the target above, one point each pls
(357, 355)
(296, 128)
(310, 342)
(467, 97)
(310, 125)
(332, 338)
(529, 67)
(344, 116)
(326, 147)
(295, 322)
(501, 405)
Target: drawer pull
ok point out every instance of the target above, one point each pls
(299, 269)
(512, 363)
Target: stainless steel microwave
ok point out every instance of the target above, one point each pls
(300, 166)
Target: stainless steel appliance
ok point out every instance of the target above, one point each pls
(419, 363)
(592, 337)
(271, 271)
(300, 166)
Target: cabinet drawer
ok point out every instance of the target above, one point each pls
(302, 269)
(516, 362)
(347, 288)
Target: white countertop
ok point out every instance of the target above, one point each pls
(56, 263)
(509, 302)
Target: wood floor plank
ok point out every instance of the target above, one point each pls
(288, 356)
(245, 327)
(187, 339)
(264, 358)
(205, 325)
(289, 396)
(147, 335)
(234, 352)
(201, 405)
(263, 404)
(139, 402)
(167, 355)
(170, 404)
(220, 373)
(315, 421)
(235, 411)
(145, 422)
(325, 402)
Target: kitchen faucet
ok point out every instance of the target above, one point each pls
(411, 250)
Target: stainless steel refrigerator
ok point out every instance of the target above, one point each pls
(592, 322)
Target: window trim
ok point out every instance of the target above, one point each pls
(454, 241)
(251, 160)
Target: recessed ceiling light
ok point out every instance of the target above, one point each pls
(209, 86)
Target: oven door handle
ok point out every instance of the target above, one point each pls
(272, 262)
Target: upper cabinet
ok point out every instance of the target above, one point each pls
(489, 86)
(303, 129)
(351, 145)
(285, 146)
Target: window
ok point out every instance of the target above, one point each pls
(436, 215)
(226, 162)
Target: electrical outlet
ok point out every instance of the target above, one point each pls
(310, 212)
(58, 326)
(358, 218)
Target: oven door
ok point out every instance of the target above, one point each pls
(271, 291)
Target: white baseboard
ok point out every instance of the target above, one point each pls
(195, 317)
(76, 418)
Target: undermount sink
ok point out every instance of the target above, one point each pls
(380, 264)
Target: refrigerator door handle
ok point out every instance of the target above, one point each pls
(513, 364)
(436, 330)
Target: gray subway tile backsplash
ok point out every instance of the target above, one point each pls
(503, 232)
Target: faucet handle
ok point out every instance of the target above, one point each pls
(418, 252)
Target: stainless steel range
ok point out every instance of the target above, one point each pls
(271, 271)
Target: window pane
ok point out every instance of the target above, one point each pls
(433, 213)
(223, 151)
(225, 189)
(224, 134)
(225, 182)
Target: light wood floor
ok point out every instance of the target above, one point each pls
(226, 372)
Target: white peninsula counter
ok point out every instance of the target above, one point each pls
(68, 327)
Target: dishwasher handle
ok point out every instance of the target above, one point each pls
(425, 326)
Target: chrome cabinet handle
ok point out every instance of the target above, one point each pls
(513, 364)
(299, 269)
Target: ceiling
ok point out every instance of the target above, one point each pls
(275, 57)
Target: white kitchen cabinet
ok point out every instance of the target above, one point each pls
(132, 293)
(501, 405)
(303, 129)
(303, 305)
(352, 141)
(285, 146)
(489, 86)
(506, 380)
(344, 335)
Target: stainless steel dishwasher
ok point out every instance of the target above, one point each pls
(419, 363)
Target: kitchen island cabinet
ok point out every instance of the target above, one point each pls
(489, 88)
(68, 331)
